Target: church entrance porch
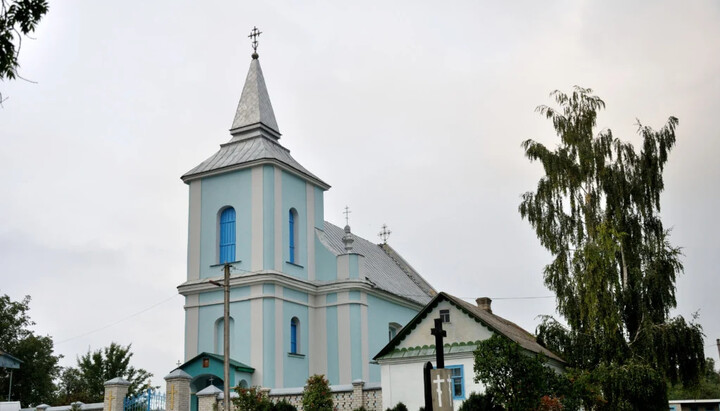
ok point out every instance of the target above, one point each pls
(206, 369)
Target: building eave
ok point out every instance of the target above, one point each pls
(190, 177)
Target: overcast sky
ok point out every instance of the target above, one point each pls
(413, 112)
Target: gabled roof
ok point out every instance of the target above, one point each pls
(494, 322)
(237, 364)
(383, 265)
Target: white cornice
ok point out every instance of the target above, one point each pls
(188, 178)
(278, 278)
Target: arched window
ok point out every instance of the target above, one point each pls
(219, 336)
(294, 336)
(293, 232)
(227, 236)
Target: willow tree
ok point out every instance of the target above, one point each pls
(597, 210)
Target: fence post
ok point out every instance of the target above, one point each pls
(115, 392)
(357, 395)
(177, 394)
(207, 397)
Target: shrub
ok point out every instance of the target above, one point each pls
(283, 406)
(398, 407)
(251, 399)
(317, 395)
(479, 402)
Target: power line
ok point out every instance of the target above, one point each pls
(119, 321)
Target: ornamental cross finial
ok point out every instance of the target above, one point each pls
(347, 215)
(254, 34)
(384, 234)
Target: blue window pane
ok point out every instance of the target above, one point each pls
(293, 337)
(457, 381)
(292, 237)
(227, 235)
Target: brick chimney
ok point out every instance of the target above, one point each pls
(484, 303)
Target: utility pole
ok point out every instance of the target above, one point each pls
(717, 341)
(226, 334)
(226, 339)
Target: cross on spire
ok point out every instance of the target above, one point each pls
(384, 234)
(347, 215)
(254, 34)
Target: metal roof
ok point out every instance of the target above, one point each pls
(383, 266)
(239, 153)
(496, 323)
(254, 106)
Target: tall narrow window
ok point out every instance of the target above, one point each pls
(458, 385)
(227, 236)
(293, 235)
(294, 334)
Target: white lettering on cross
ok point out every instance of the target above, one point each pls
(438, 381)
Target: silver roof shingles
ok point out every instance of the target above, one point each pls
(381, 269)
(254, 106)
(248, 150)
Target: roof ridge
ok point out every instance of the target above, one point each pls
(408, 269)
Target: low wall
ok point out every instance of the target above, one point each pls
(97, 406)
(345, 397)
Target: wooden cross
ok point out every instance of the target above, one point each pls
(384, 234)
(254, 34)
(439, 333)
(347, 215)
(172, 396)
(109, 399)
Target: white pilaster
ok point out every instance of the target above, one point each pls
(278, 220)
(191, 326)
(310, 238)
(365, 336)
(256, 201)
(344, 361)
(343, 266)
(256, 333)
(194, 228)
(318, 336)
(279, 336)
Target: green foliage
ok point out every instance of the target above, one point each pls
(480, 402)
(18, 18)
(283, 406)
(33, 383)
(86, 383)
(251, 399)
(596, 210)
(360, 409)
(707, 388)
(514, 378)
(317, 395)
(398, 407)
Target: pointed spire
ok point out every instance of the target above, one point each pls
(254, 109)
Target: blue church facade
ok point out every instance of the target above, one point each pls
(307, 297)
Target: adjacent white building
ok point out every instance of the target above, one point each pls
(402, 359)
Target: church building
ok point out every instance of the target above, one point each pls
(307, 297)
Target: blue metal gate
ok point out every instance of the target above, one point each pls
(148, 400)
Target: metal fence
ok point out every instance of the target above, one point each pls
(148, 400)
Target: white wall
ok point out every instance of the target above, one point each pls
(461, 328)
(403, 381)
